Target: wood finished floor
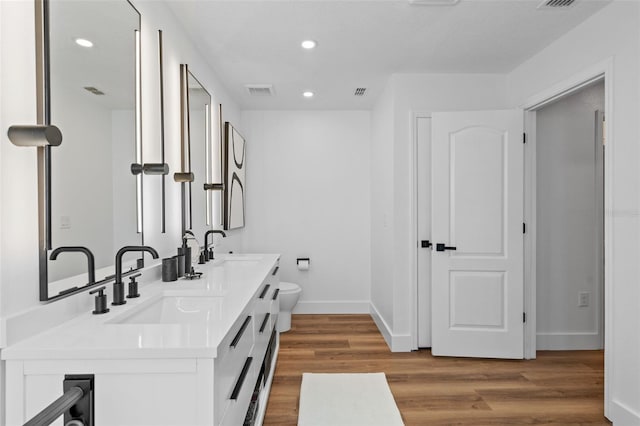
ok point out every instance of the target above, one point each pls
(559, 388)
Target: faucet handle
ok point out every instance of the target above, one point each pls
(133, 277)
(100, 301)
(133, 287)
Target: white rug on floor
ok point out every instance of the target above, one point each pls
(347, 400)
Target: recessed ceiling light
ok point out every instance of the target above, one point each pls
(84, 42)
(309, 44)
(308, 94)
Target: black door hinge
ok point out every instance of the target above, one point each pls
(524, 317)
(524, 138)
(524, 228)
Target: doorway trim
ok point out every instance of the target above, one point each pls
(600, 71)
(415, 316)
(414, 223)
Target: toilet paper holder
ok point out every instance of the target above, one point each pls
(303, 263)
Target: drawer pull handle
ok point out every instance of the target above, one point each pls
(264, 322)
(243, 375)
(236, 339)
(264, 291)
(275, 294)
(275, 271)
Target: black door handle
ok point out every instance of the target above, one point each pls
(425, 244)
(442, 247)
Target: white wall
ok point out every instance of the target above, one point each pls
(308, 195)
(18, 208)
(569, 222)
(3, 389)
(382, 120)
(18, 221)
(611, 34)
(414, 93)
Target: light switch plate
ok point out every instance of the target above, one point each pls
(583, 299)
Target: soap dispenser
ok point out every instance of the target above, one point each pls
(100, 301)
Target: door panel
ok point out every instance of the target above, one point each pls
(477, 300)
(477, 211)
(476, 191)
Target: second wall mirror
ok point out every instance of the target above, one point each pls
(198, 155)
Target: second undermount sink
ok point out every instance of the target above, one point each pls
(173, 310)
(243, 258)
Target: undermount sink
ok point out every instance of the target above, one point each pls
(243, 258)
(241, 261)
(173, 310)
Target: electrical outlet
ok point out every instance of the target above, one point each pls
(583, 298)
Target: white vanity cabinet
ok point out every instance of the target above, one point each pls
(245, 368)
(266, 311)
(209, 373)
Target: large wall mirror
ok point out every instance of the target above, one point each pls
(198, 155)
(90, 52)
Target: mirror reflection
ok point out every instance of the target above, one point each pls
(197, 153)
(200, 142)
(92, 93)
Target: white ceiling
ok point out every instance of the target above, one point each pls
(361, 43)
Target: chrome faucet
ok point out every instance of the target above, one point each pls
(118, 286)
(206, 242)
(91, 269)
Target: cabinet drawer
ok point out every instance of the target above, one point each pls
(263, 333)
(240, 397)
(232, 353)
(274, 306)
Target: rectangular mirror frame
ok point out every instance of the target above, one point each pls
(43, 117)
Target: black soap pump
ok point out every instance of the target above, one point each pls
(100, 301)
(133, 287)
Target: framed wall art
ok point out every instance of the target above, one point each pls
(234, 187)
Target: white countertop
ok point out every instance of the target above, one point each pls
(219, 296)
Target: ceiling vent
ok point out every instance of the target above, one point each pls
(556, 4)
(94, 90)
(434, 2)
(260, 89)
(360, 91)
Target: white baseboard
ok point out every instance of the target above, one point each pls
(622, 415)
(332, 307)
(396, 342)
(382, 325)
(568, 341)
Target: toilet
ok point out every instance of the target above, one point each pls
(289, 294)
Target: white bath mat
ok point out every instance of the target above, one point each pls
(347, 400)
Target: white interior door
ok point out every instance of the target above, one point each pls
(477, 230)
